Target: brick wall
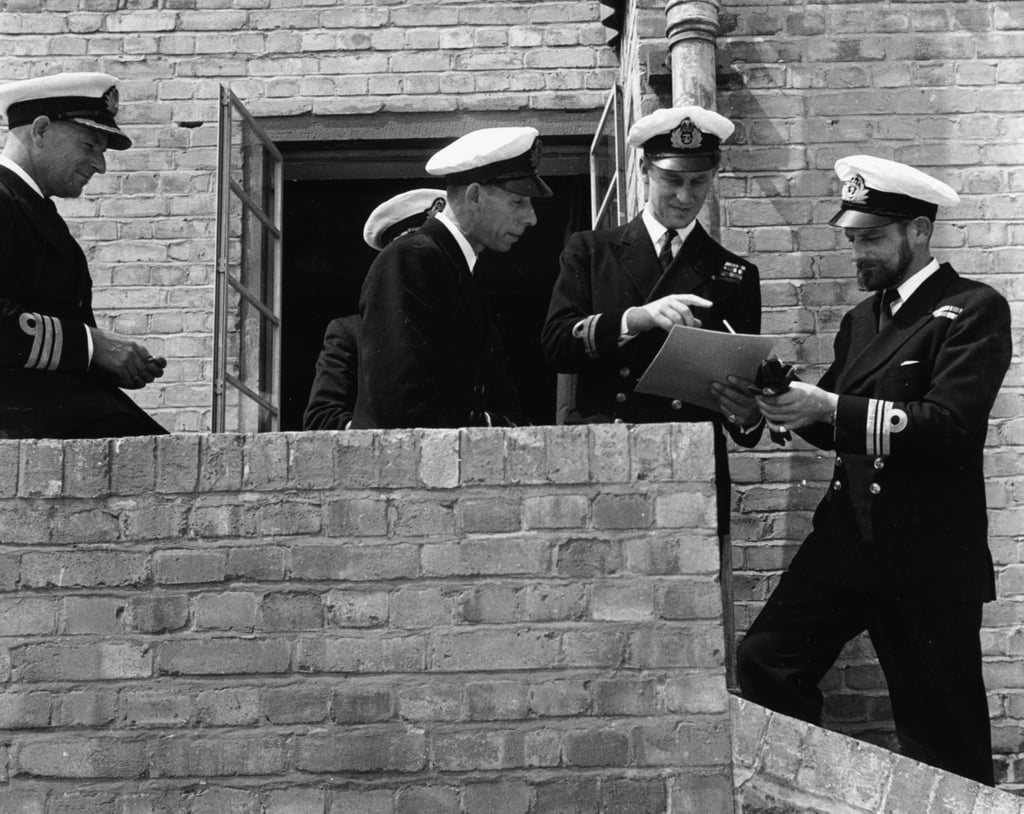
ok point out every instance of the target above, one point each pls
(412, 621)
(934, 84)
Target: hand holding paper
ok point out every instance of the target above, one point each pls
(692, 359)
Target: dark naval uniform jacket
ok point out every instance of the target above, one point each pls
(47, 389)
(430, 352)
(605, 272)
(332, 396)
(905, 513)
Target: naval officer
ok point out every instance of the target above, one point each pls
(620, 290)
(430, 350)
(60, 375)
(332, 397)
(898, 545)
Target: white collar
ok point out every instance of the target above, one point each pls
(467, 249)
(912, 283)
(18, 170)
(657, 230)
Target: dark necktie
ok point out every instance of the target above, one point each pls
(889, 296)
(665, 255)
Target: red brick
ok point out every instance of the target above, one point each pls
(70, 569)
(76, 757)
(185, 566)
(133, 465)
(355, 563)
(388, 749)
(212, 757)
(86, 467)
(296, 704)
(230, 610)
(362, 705)
(40, 468)
(231, 706)
(287, 611)
(222, 656)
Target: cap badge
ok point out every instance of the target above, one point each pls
(855, 191)
(110, 100)
(436, 206)
(686, 136)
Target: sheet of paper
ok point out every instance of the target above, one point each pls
(692, 358)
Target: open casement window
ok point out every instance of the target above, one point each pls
(608, 166)
(247, 322)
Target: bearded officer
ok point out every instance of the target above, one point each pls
(59, 374)
(430, 350)
(332, 396)
(620, 290)
(898, 545)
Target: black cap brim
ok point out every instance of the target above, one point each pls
(532, 186)
(116, 139)
(854, 219)
(684, 163)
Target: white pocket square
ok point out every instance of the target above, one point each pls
(909, 362)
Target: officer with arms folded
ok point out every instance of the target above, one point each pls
(898, 545)
(59, 374)
(430, 351)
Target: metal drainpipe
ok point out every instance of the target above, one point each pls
(692, 31)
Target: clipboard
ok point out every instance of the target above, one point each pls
(692, 358)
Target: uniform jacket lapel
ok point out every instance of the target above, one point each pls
(871, 348)
(635, 253)
(468, 287)
(689, 271)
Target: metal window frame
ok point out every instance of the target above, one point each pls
(602, 200)
(266, 395)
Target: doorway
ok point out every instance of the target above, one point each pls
(325, 262)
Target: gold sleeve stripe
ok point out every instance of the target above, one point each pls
(47, 340)
(884, 419)
(586, 330)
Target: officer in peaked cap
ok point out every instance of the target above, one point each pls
(332, 396)
(621, 289)
(400, 214)
(877, 191)
(507, 157)
(898, 545)
(89, 100)
(431, 352)
(59, 374)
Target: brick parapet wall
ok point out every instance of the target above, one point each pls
(402, 621)
(785, 766)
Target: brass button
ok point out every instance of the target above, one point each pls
(624, 372)
(875, 488)
(837, 485)
(839, 461)
(620, 397)
(677, 404)
(879, 463)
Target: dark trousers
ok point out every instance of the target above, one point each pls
(929, 651)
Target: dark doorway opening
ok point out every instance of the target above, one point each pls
(325, 263)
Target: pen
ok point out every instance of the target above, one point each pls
(728, 327)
